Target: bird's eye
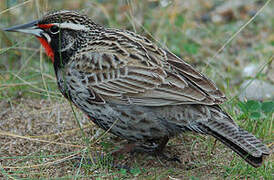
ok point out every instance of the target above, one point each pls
(54, 29)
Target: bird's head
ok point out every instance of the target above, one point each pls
(59, 31)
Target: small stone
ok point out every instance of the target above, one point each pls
(217, 18)
(256, 90)
(251, 70)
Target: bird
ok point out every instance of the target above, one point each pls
(135, 89)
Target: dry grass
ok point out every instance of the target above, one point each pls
(39, 133)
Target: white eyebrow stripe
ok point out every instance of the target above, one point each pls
(73, 26)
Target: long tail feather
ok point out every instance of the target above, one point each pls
(221, 126)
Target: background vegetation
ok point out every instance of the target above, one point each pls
(39, 132)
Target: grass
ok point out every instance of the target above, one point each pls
(40, 134)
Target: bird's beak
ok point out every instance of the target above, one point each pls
(29, 28)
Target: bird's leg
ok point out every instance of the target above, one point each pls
(125, 149)
(162, 145)
(159, 150)
(155, 148)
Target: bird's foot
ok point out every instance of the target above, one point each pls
(128, 148)
(154, 151)
(162, 155)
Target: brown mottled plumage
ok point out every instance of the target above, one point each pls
(143, 92)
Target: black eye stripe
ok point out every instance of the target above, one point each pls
(54, 29)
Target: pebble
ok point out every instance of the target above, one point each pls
(256, 90)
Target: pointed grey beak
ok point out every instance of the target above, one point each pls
(29, 28)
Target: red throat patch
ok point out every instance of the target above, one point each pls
(47, 47)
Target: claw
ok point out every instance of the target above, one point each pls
(172, 159)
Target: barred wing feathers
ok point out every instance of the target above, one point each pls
(128, 68)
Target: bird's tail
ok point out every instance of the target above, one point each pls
(222, 127)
